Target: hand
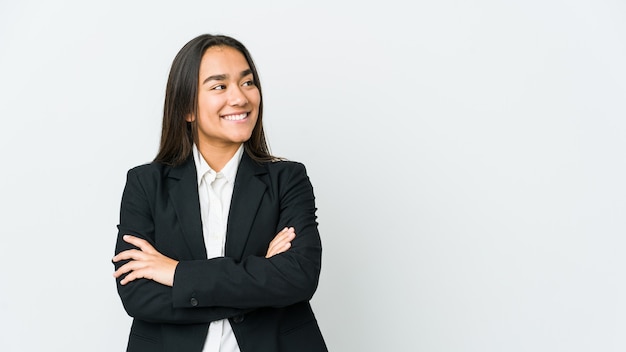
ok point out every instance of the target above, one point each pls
(145, 262)
(282, 242)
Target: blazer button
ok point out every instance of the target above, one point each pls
(193, 301)
(238, 319)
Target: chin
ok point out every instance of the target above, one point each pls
(242, 139)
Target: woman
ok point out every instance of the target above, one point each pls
(232, 267)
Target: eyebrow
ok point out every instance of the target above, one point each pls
(222, 77)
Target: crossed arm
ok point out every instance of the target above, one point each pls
(147, 263)
(155, 287)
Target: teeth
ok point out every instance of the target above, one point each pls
(236, 117)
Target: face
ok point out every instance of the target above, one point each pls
(228, 99)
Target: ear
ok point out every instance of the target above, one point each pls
(190, 118)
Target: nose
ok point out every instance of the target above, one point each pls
(237, 97)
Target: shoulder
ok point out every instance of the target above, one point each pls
(284, 165)
(155, 178)
(285, 168)
(286, 174)
(147, 170)
(159, 170)
(156, 173)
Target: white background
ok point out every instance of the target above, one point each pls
(468, 159)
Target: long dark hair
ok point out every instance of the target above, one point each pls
(181, 99)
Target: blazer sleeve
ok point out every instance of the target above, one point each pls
(255, 281)
(146, 299)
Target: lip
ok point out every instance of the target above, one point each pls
(236, 116)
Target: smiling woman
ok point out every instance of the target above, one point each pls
(228, 104)
(218, 247)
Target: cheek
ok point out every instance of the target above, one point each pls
(255, 98)
(209, 105)
(214, 106)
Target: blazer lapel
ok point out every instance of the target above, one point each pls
(247, 194)
(184, 196)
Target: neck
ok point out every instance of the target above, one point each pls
(217, 157)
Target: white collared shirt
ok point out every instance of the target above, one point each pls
(214, 220)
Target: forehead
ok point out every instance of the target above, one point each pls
(222, 60)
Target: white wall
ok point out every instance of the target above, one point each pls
(468, 160)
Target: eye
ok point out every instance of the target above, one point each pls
(219, 87)
(249, 83)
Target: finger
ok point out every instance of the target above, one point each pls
(132, 276)
(128, 267)
(134, 270)
(127, 279)
(278, 237)
(139, 243)
(121, 271)
(278, 249)
(133, 254)
(281, 236)
(282, 248)
(281, 243)
(278, 240)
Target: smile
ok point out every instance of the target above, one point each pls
(237, 117)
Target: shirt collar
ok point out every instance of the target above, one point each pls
(229, 171)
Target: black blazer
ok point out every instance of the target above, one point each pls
(265, 300)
